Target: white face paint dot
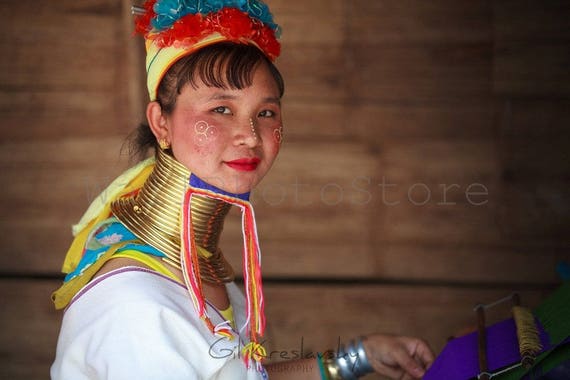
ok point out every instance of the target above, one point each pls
(253, 131)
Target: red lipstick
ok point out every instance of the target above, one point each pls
(244, 164)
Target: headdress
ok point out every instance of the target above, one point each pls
(176, 28)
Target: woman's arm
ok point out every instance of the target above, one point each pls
(397, 357)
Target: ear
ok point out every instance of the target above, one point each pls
(157, 121)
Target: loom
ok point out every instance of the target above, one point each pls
(529, 345)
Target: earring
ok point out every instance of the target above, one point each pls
(253, 131)
(163, 144)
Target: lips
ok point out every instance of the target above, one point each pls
(244, 164)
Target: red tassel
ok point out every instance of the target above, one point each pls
(251, 265)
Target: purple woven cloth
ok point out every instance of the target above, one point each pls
(459, 359)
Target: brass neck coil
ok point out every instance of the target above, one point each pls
(153, 215)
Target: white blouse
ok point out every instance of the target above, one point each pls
(133, 323)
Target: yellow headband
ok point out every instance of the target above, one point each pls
(160, 59)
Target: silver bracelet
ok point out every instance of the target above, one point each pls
(352, 361)
(363, 366)
(344, 365)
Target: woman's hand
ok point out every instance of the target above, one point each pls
(398, 357)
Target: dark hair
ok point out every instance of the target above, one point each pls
(223, 65)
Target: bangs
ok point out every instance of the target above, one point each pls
(223, 65)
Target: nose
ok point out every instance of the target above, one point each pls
(247, 134)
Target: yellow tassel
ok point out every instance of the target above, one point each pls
(254, 351)
(527, 333)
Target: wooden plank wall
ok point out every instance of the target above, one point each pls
(425, 167)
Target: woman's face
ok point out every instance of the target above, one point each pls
(229, 138)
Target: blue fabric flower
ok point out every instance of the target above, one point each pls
(169, 11)
(260, 10)
(213, 6)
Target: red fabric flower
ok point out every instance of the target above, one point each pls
(232, 23)
(235, 24)
(143, 23)
(268, 43)
(190, 27)
(164, 39)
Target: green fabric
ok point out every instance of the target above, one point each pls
(554, 314)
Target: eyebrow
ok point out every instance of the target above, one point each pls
(269, 99)
(273, 100)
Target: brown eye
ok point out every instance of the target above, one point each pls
(223, 110)
(266, 113)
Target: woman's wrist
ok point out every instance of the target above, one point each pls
(350, 363)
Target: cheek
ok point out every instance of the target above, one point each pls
(278, 135)
(204, 136)
(274, 141)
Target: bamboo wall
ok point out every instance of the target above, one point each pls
(425, 167)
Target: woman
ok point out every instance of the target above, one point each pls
(148, 293)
